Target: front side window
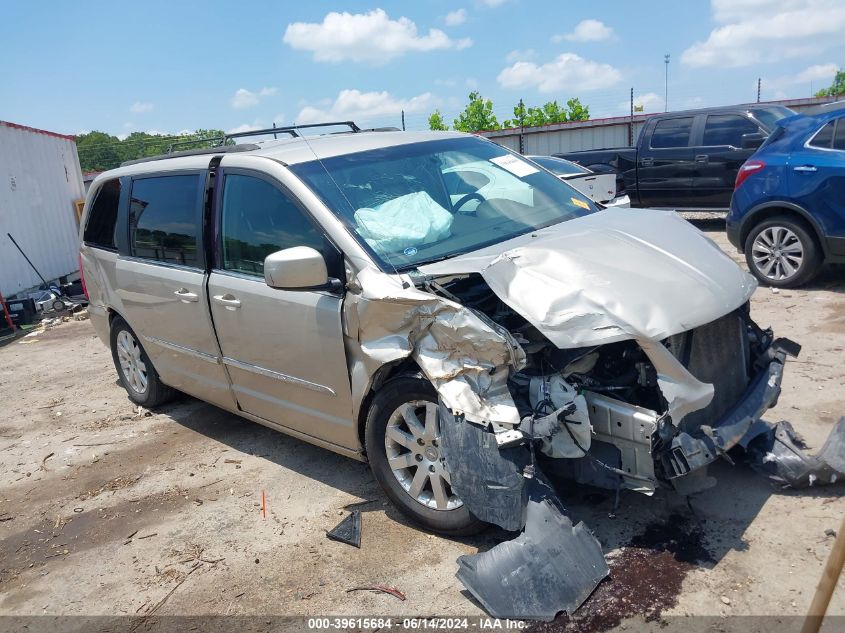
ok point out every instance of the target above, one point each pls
(559, 166)
(164, 218)
(727, 129)
(421, 202)
(823, 137)
(257, 220)
(99, 231)
(672, 133)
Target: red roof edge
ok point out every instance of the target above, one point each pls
(26, 128)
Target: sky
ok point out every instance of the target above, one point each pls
(175, 65)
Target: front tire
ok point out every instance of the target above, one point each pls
(782, 252)
(134, 368)
(402, 438)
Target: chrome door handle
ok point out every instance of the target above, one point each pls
(647, 162)
(702, 158)
(228, 301)
(805, 168)
(186, 296)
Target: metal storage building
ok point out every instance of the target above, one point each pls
(40, 183)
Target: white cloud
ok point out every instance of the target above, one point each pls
(365, 37)
(141, 106)
(357, 105)
(758, 31)
(454, 18)
(520, 55)
(471, 83)
(650, 102)
(587, 31)
(246, 127)
(567, 71)
(818, 74)
(244, 98)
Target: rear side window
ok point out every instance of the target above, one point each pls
(727, 129)
(164, 219)
(99, 231)
(823, 137)
(672, 133)
(839, 135)
(258, 219)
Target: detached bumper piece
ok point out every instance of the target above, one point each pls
(779, 453)
(552, 566)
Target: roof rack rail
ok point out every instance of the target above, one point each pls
(220, 143)
(214, 140)
(293, 130)
(223, 149)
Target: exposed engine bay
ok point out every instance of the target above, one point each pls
(606, 399)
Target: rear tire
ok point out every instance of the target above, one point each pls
(134, 368)
(402, 438)
(782, 252)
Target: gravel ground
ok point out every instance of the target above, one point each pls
(108, 510)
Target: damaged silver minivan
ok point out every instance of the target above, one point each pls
(443, 308)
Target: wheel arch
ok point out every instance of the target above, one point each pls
(774, 208)
(382, 376)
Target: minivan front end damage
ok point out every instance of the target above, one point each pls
(549, 353)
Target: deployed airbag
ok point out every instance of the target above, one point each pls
(411, 220)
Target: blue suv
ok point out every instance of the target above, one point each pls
(788, 207)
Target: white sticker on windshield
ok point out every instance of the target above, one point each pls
(514, 165)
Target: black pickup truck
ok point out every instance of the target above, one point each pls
(686, 160)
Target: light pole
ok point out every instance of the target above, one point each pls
(666, 84)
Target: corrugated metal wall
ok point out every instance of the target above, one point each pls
(595, 134)
(40, 178)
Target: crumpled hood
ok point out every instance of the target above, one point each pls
(613, 275)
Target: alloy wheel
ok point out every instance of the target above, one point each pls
(131, 364)
(777, 253)
(414, 453)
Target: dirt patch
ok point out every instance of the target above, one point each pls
(646, 577)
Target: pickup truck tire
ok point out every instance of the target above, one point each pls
(782, 252)
(402, 438)
(134, 368)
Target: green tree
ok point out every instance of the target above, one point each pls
(551, 112)
(477, 116)
(99, 151)
(436, 122)
(576, 111)
(836, 88)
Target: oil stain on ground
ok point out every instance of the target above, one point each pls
(645, 578)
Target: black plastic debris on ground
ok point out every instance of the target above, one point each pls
(551, 567)
(646, 577)
(349, 530)
(779, 453)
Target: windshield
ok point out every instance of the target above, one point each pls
(422, 202)
(769, 116)
(559, 166)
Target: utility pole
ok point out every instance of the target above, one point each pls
(759, 81)
(666, 84)
(631, 123)
(521, 127)
(403, 120)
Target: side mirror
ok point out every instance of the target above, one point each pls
(752, 140)
(295, 268)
